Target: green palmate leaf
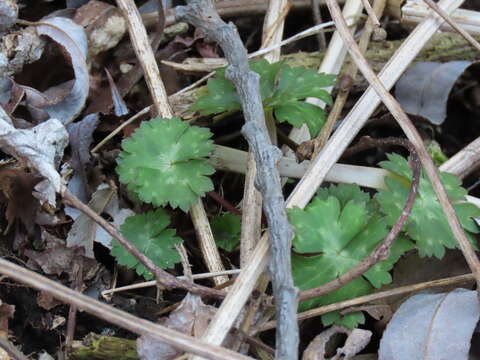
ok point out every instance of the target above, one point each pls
(282, 89)
(164, 161)
(342, 232)
(149, 234)
(426, 224)
(297, 113)
(221, 96)
(226, 230)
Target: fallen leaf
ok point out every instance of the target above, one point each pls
(47, 301)
(8, 14)
(183, 319)
(6, 313)
(424, 88)
(57, 259)
(85, 231)
(61, 102)
(119, 106)
(357, 340)
(41, 147)
(80, 135)
(10, 94)
(432, 326)
(16, 188)
(104, 24)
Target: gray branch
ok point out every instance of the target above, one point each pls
(202, 14)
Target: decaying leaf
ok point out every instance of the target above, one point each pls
(119, 106)
(357, 340)
(104, 24)
(432, 327)
(47, 301)
(10, 94)
(64, 102)
(16, 190)
(18, 49)
(40, 147)
(57, 259)
(8, 14)
(85, 231)
(424, 88)
(191, 318)
(6, 312)
(80, 135)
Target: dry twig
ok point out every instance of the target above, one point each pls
(412, 134)
(164, 278)
(453, 24)
(118, 317)
(161, 106)
(374, 297)
(11, 350)
(202, 13)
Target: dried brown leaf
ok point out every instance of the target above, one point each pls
(16, 188)
(104, 24)
(6, 313)
(183, 319)
(356, 341)
(57, 259)
(40, 147)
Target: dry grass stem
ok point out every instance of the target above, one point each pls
(115, 316)
(374, 297)
(412, 135)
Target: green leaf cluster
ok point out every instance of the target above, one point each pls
(343, 225)
(226, 230)
(165, 162)
(338, 229)
(149, 234)
(283, 90)
(427, 224)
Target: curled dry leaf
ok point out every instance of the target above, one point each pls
(424, 88)
(440, 326)
(64, 102)
(10, 94)
(191, 317)
(40, 147)
(357, 340)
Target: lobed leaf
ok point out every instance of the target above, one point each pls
(427, 224)
(341, 232)
(149, 234)
(226, 230)
(283, 90)
(165, 162)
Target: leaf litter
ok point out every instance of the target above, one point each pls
(91, 42)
